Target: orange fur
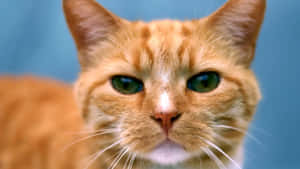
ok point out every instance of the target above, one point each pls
(37, 117)
(164, 55)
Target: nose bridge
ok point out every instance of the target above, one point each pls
(164, 94)
(165, 103)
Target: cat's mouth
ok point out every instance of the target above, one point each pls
(168, 153)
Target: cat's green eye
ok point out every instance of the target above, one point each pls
(127, 85)
(204, 82)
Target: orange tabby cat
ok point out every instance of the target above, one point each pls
(164, 94)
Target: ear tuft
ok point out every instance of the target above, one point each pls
(239, 21)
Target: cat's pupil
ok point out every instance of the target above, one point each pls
(126, 83)
(205, 80)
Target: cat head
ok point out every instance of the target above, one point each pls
(169, 90)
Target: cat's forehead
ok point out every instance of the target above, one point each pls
(167, 27)
(166, 44)
(163, 48)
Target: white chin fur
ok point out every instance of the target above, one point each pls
(168, 153)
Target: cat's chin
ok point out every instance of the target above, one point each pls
(168, 153)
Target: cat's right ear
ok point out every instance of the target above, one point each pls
(89, 23)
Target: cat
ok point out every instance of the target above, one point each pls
(162, 94)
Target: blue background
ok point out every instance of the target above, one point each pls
(34, 39)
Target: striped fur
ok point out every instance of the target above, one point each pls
(163, 54)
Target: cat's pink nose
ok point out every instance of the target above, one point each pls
(166, 120)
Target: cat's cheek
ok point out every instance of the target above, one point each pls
(229, 125)
(140, 133)
(188, 132)
(113, 103)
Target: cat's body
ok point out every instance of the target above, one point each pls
(38, 118)
(164, 94)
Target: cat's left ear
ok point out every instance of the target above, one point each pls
(238, 22)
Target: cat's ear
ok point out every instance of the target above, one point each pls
(89, 24)
(239, 22)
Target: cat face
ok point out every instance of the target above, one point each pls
(168, 90)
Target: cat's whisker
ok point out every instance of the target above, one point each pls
(90, 157)
(102, 143)
(200, 163)
(211, 155)
(86, 138)
(98, 154)
(222, 152)
(122, 153)
(93, 131)
(127, 161)
(239, 130)
(130, 157)
(115, 157)
(222, 139)
(132, 161)
(87, 132)
(260, 130)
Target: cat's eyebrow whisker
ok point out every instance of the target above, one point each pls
(239, 130)
(211, 155)
(221, 151)
(98, 154)
(86, 138)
